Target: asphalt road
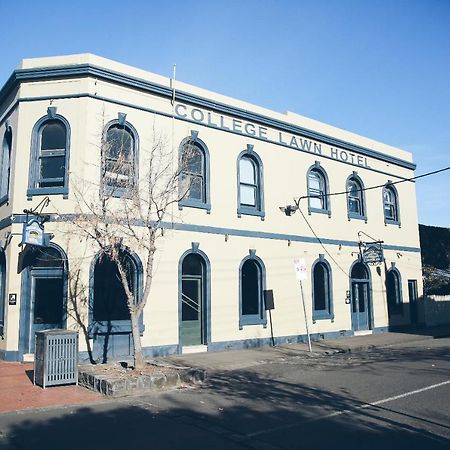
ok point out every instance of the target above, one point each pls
(391, 398)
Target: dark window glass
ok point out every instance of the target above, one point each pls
(47, 258)
(119, 157)
(191, 298)
(48, 301)
(53, 136)
(110, 300)
(192, 265)
(52, 167)
(6, 164)
(359, 272)
(192, 278)
(393, 290)
(52, 156)
(320, 287)
(251, 288)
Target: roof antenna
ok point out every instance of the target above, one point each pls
(172, 82)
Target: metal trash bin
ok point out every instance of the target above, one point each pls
(56, 358)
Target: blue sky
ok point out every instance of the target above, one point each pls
(379, 68)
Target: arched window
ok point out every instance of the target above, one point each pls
(355, 198)
(390, 205)
(194, 174)
(50, 157)
(2, 291)
(318, 200)
(119, 174)
(322, 290)
(252, 284)
(110, 299)
(394, 291)
(250, 184)
(5, 165)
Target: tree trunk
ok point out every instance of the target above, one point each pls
(139, 361)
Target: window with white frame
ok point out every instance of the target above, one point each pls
(390, 205)
(355, 198)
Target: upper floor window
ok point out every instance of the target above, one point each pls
(250, 184)
(355, 198)
(119, 160)
(194, 174)
(49, 157)
(5, 165)
(390, 204)
(322, 290)
(252, 283)
(318, 200)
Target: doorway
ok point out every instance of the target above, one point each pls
(110, 324)
(193, 300)
(361, 306)
(44, 286)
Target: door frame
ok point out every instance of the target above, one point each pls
(117, 327)
(206, 304)
(368, 281)
(26, 297)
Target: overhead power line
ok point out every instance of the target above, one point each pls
(378, 186)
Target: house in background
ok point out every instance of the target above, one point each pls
(435, 248)
(225, 242)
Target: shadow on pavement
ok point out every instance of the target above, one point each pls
(236, 410)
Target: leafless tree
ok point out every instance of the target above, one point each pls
(125, 210)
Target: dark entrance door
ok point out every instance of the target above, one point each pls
(360, 298)
(111, 322)
(412, 292)
(47, 293)
(192, 301)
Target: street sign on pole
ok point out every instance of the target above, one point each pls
(300, 273)
(300, 269)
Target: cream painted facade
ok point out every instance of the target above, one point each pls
(86, 92)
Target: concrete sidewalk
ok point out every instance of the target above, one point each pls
(245, 358)
(17, 391)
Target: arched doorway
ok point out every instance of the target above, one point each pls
(361, 297)
(194, 300)
(45, 294)
(110, 324)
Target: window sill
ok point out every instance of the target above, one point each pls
(387, 222)
(248, 211)
(194, 204)
(357, 217)
(319, 211)
(47, 191)
(252, 320)
(322, 315)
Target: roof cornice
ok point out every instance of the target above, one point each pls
(90, 70)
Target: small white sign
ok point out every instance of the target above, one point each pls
(33, 233)
(300, 269)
